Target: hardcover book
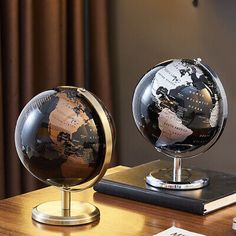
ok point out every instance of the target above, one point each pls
(131, 184)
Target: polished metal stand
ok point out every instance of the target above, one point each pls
(65, 212)
(177, 178)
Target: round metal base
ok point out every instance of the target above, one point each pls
(52, 214)
(190, 179)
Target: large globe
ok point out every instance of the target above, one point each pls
(63, 138)
(180, 107)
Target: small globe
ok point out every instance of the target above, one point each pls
(64, 137)
(180, 107)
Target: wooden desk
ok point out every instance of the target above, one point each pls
(118, 216)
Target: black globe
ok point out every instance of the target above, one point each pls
(180, 107)
(60, 137)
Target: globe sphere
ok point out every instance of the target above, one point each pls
(64, 137)
(180, 107)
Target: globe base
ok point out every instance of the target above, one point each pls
(189, 179)
(52, 213)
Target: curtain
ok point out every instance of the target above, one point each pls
(44, 44)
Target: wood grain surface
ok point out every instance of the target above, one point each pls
(118, 216)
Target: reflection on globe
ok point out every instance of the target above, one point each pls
(180, 106)
(60, 137)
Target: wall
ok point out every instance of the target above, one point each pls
(146, 32)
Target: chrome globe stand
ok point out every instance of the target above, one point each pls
(177, 178)
(65, 212)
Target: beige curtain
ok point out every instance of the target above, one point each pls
(46, 43)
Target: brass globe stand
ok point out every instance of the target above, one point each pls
(177, 178)
(66, 137)
(65, 212)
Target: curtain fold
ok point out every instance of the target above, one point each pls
(10, 94)
(100, 64)
(44, 44)
(2, 169)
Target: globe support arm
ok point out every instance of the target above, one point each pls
(65, 202)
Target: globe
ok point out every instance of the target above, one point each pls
(64, 137)
(180, 107)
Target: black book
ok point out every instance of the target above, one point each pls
(131, 184)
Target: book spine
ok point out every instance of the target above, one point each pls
(150, 196)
